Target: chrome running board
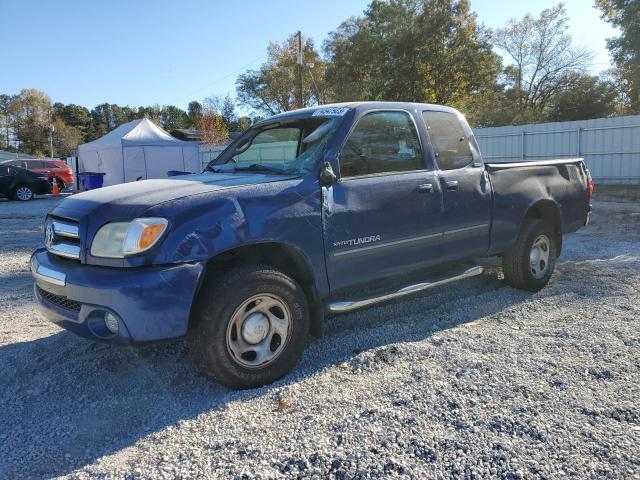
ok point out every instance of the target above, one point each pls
(346, 306)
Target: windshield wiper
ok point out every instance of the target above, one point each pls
(257, 167)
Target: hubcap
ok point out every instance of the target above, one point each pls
(539, 256)
(24, 193)
(255, 328)
(259, 330)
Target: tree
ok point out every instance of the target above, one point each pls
(625, 50)
(415, 50)
(586, 97)
(243, 123)
(224, 107)
(194, 113)
(213, 129)
(6, 120)
(129, 114)
(229, 110)
(74, 116)
(172, 117)
(103, 120)
(31, 110)
(542, 56)
(66, 139)
(272, 88)
(152, 113)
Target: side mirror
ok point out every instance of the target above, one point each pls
(327, 177)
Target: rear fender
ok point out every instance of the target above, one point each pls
(549, 211)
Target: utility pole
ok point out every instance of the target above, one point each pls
(51, 128)
(299, 64)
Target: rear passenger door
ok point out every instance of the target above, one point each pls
(465, 186)
(382, 216)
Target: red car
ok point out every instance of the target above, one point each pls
(58, 170)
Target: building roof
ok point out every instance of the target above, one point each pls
(186, 134)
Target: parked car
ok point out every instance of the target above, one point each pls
(20, 184)
(57, 170)
(297, 218)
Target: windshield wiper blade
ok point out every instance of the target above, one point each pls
(257, 167)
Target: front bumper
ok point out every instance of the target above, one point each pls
(150, 303)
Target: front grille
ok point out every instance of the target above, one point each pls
(62, 238)
(59, 300)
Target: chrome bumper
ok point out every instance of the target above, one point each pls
(46, 274)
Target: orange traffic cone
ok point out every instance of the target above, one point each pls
(55, 190)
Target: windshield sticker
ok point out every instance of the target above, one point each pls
(330, 112)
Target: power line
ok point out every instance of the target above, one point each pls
(261, 57)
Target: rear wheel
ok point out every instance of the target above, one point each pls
(23, 193)
(250, 326)
(529, 264)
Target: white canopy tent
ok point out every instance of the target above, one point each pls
(138, 149)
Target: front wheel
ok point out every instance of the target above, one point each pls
(529, 263)
(250, 326)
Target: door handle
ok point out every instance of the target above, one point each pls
(425, 188)
(452, 185)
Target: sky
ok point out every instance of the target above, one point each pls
(169, 53)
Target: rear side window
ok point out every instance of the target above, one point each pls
(381, 142)
(449, 140)
(51, 165)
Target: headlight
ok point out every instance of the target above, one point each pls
(119, 239)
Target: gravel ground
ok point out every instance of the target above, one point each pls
(471, 380)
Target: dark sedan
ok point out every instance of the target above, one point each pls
(21, 184)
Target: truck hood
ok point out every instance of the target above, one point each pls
(129, 200)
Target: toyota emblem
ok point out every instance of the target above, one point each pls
(49, 234)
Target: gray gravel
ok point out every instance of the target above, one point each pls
(472, 380)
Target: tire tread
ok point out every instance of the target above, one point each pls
(515, 262)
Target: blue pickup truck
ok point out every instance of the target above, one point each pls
(319, 210)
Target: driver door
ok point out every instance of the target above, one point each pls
(382, 217)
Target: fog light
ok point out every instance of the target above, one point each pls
(111, 322)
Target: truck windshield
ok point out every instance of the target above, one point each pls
(285, 147)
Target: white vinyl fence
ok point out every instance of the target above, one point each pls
(266, 152)
(609, 146)
(208, 153)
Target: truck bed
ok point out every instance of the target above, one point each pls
(560, 185)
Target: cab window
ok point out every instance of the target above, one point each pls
(449, 140)
(381, 142)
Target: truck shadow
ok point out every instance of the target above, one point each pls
(68, 401)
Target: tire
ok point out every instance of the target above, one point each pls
(249, 327)
(23, 193)
(529, 263)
